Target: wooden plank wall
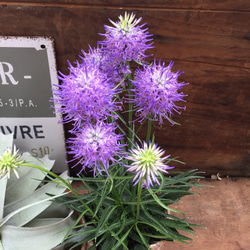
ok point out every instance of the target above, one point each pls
(207, 39)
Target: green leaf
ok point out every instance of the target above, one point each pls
(103, 238)
(171, 225)
(122, 224)
(83, 234)
(139, 247)
(123, 238)
(178, 225)
(161, 203)
(104, 193)
(131, 130)
(116, 226)
(106, 214)
(74, 225)
(108, 243)
(156, 223)
(141, 236)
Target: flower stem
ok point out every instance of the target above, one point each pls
(130, 112)
(149, 130)
(138, 199)
(117, 196)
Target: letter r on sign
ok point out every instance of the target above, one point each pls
(7, 73)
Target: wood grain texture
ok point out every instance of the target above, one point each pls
(223, 210)
(209, 41)
(241, 5)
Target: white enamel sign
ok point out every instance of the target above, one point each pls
(27, 73)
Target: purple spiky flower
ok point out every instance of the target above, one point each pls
(146, 163)
(156, 91)
(127, 39)
(96, 146)
(86, 95)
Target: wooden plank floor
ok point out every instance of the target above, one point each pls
(223, 209)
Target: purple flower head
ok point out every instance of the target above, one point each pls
(127, 40)
(156, 89)
(96, 146)
(110, 65)
(146, 162)
(86, 95)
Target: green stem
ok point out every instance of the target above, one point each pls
(117, 196)
(137, 131)
(130, 112)
(149, 130)
(138, 199)
(133, 195)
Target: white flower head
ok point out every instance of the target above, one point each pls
(146, 162)
(10, 161)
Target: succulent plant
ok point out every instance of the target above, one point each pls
(28, 217)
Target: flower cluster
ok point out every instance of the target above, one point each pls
(93, 93)
(109, 96)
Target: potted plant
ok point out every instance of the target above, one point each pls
(108, 97)
(28, 218)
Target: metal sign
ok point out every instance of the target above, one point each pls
(27, 73)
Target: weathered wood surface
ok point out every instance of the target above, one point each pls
(208, 40)
(224, 210)
(178, 4)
